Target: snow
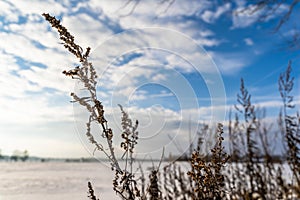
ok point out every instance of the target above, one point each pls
(54, 180)
(61, 180)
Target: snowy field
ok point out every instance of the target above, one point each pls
(56, 180)
(53, 180)
(59, 180)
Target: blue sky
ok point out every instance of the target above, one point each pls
(165, 68)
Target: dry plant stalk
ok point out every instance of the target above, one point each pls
(124, 183)
(208, 181)
(87, 75)
(91, 192)
(290, 126)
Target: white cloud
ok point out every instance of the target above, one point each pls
(159, 77)
(230, 63)
(38, 7)
(10, 13)
(208, 42)
(211, 16)
(151, 8)
(207, 16)
(158, 127)
(48, 78)
(182, 8)
(18, 45)
(35, 31)
(32, 110)
(248, 41)
(271, 103)
(244, 16)
(144, 94)
(139, 95)
(144, 17)
(88, 31)
(165, 61)
(243, 20)
(7, 63)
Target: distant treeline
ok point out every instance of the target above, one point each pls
(17, 155)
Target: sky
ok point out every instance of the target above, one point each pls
(171, 67)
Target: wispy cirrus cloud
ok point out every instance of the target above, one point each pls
(230, 63)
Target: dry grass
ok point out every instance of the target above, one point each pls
(249, 174)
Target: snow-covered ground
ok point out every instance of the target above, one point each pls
(53, 180)
(60, 181)
(57, 180)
